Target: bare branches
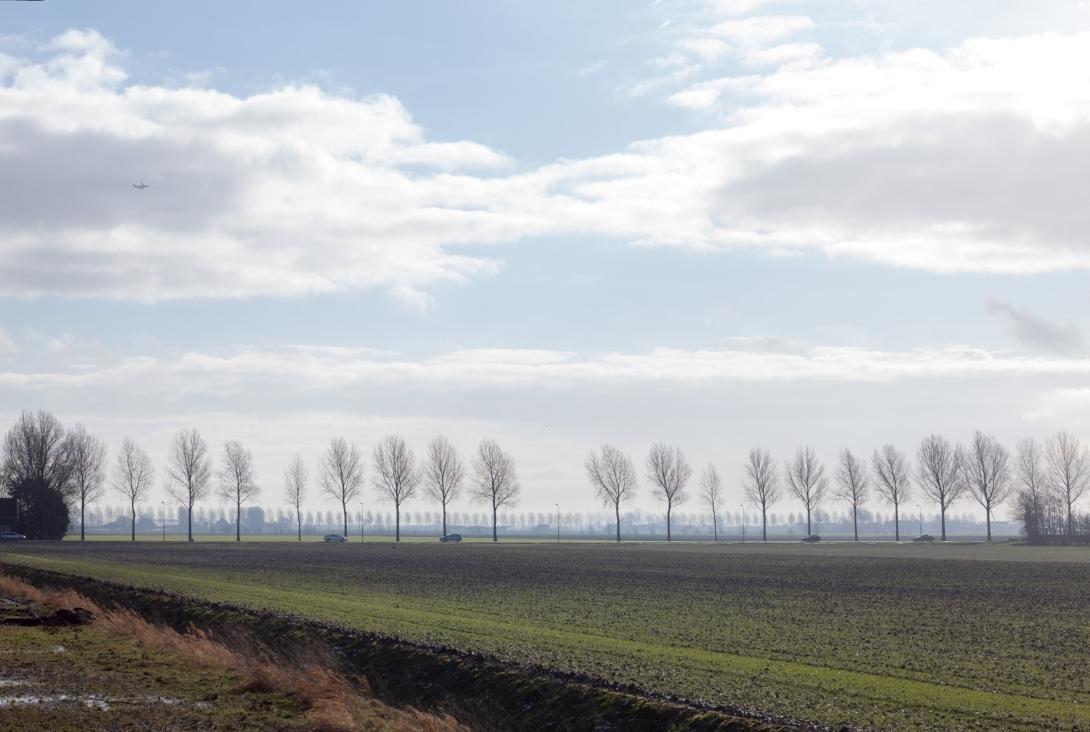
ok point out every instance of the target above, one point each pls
(295, 486)
(342, 474)
(189, 471)
(396, 474)
(711, 492)
(761, 484)
(939, 473)
(852, 481)
(1030, 468)
(133, 476)
(987, 474)
(1068, 471)
(87, 457)
(892, 481)
(443, 474)
(668, 471)
(495, 482)
(613, 477)
(806, 481)
(237, 479)
(34, 450)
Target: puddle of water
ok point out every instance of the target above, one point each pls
(91, 702)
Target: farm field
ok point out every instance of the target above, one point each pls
(883, 635)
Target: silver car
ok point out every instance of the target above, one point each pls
(334, 539)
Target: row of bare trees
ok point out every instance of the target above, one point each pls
(1048, 480)
(41, 462)
(398, 475)
(49, 469)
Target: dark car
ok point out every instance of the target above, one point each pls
(334, 539)
(450, 537)
(811, 538)
(924, 537)
(11, 536)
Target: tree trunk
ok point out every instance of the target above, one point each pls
(344, 510)
(715, 528)
(238, 521)
(299, 524)
(808, 532)
(397, 522)
(855, 522)
(896, 524)
(617, 511)
(133, 521)
(495, 535)
(668, 509)
(764, 525)
(942, 519)
(444, 519)
(82, 520)
(988, 521)
(189, 521)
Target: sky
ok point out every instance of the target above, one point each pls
(719, 224)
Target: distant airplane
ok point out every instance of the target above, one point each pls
(140, 187)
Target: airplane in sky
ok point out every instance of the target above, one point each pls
(140, 187)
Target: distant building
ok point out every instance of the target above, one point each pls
(9, 514)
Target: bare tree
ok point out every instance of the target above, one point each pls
(668, 470)
(87, 456)
(988, 474)
(1068, 472)
(711, 491)
(853, 481)
(614, 479)
(36, 471)
(761, 484)
(133, 476)
(806, 481)
(295, 488)
(189, 470)
(495, 482)
(396, 474)
(443, 473)
(1032, 475)
(237, 479)
(939, 472)
(342, 474)
(893, 482)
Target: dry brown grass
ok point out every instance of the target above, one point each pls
(335, 702)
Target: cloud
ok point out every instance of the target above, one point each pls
(1038, 333)
(7, 345)
(969, 160)
(288, 192)
(309, 370)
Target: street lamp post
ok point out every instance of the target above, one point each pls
(557, 523)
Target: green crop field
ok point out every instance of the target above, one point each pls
(885, 635)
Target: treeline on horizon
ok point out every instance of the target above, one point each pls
(51, 471)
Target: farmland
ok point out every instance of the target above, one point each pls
(891, 636)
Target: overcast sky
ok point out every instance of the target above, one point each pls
(714, 223)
